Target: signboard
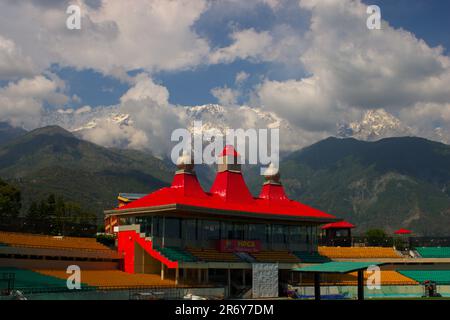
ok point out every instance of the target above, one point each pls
(233, 245)
(265, 280)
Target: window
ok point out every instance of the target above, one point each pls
(279, 233)
(295, 234)
(257, 232)
(191, 229)
(211, 230)
(173, 228)
(239, 231)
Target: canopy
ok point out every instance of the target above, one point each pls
(337, 267)
(338, 225)
(403, 231)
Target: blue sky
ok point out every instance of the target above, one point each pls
(427, 19)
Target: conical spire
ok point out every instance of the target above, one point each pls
(272, 188)
(185, 163)
(229, 160)
(229, 183)
(185, 179)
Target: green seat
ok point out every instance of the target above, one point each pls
(441, 277)
(176, 254)
(434, 252)
(26, 280)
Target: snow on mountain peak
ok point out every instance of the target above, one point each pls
(374, 125)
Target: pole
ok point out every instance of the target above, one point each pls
(316, 286)
(360, 285)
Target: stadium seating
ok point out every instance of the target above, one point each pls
(441, 277)
(176, 254)
(41, 241)
(213, 255)
(112, 278)
(434, 252)
(358, 252)
(311, 257)
(388, 277)
(27, 279)
(275, 256)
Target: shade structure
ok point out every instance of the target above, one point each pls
(337, 267)
(403, 231)
(338, 225)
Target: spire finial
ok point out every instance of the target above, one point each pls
(272, 174)
(185, 163)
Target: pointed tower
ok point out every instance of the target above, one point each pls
(185, 179)
(272, 188)
(229, 183)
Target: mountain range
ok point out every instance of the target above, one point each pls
(393, 182)
(52, 160)
(389, 183)
(373, 125)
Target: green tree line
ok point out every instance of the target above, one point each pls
(53, 210)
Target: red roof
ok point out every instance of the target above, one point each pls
(228, 192)
(403, 231)
(273, 192)
(229, 150)
(338, 225)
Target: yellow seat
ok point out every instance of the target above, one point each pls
(358, 252)
(112, 278)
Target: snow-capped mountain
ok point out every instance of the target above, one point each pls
(214, 116)
(374, 125)
(215, 120)
(85, 118)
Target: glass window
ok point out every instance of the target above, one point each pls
(239, 231)
(279, 233)
(257, 232)
(191, 229)
(295, 234)
(173, 228)
(211, 230)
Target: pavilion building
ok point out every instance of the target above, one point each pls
(215, 235)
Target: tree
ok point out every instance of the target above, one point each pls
(377, 237)
(10, 201)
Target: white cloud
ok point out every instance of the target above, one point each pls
(241, 77)
(226, 96)
(110, 134)
(247, 44)
(13, 64)
(153, 119)
(145, 89)
(22, 102)
(352, 69)
(118, 35)
(83, 109)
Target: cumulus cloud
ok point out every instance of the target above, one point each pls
(226, 96)
(13, 63)
(247, 43)
(110, 134)
(152, 119)
(22, 102)
(241, 77)
(141, 34)
(352, 69)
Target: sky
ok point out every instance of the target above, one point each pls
(311, 63)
